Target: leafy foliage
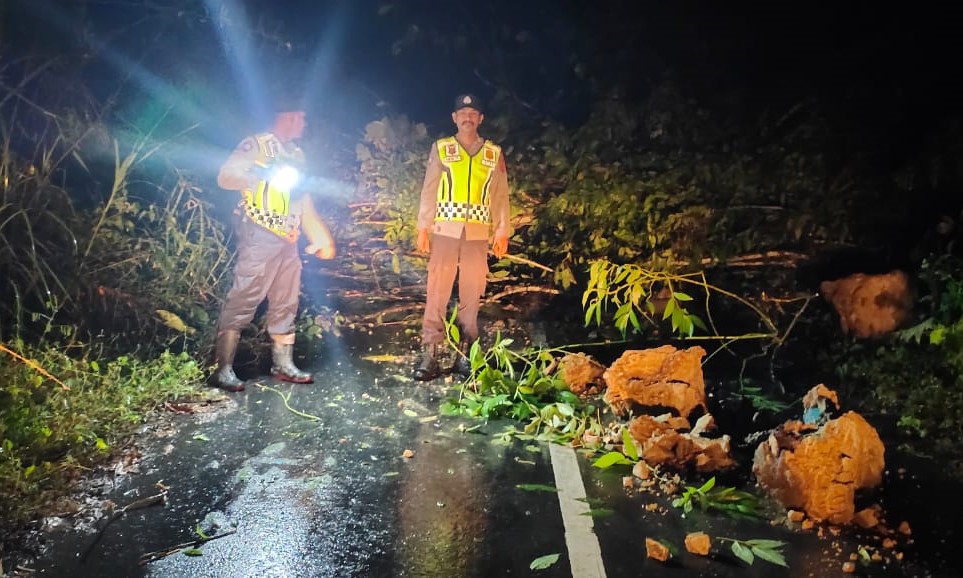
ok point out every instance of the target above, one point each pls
(627, 455)
(749, 550)
(642, 295)
(634, 291)
(48, 430)
(392, 160)
(88, 265)
(759, 399)
(505, 383)
(669, 183)
(665, 185)
(728, 500)
(107, 297)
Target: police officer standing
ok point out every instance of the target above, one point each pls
(464, 201)
(268, 170)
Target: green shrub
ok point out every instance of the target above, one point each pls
(49, 428)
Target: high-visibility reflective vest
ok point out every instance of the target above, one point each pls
(267, 205)
(464, 191)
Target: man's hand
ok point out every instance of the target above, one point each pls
(424, 240)
(321, 251)
(500, 247)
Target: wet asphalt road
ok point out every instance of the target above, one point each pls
(337, 497)
(313, 481)
(334, 496)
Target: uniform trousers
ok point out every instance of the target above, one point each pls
(469, 261)
(268, 267)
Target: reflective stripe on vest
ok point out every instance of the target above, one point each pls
(268, 206)
(464, 189)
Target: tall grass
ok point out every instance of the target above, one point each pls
(107, 290)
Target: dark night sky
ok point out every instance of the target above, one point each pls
(867, 59)
(885, 68)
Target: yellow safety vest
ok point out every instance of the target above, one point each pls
(268, 205)
(464, 192)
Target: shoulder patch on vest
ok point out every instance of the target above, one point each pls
(246, 145)
(489, 156)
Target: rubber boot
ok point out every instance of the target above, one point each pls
(226, 347)
(284, 368)
(428, 368)
(462, 365)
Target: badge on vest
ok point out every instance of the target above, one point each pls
(451, 153)
(488, 158)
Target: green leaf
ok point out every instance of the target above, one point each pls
(599, 512)
(192, 552)
(610, 459)
(669, 309)
(743, 553)
(698, 322)
(767, 544)
(537, 488)
(628, 445)
(710, 483)
(567, 397)
(543, 562)
(771, 556)
(681, 296)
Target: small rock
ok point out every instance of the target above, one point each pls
(656, 550)
(698, 543)
(867, 518)
(642, 470)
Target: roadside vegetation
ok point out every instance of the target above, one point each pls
(111, 263)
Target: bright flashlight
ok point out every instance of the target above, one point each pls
(285, 177)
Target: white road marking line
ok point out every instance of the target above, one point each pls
(583, 545)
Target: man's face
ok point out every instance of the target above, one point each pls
(290, 125)
(467, 118)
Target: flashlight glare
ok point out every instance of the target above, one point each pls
(285, 178)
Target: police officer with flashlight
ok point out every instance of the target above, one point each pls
(268, 171)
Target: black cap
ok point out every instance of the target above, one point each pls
(288, 103)
(468, 101)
